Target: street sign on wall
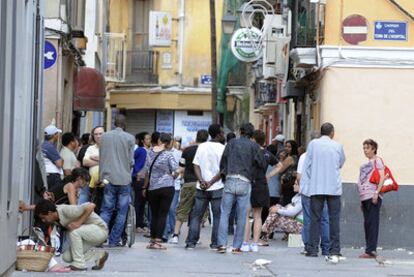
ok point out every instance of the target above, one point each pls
(50, 55)
(390, 30)
(245, 44)
(355, 29)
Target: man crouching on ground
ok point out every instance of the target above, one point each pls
(85, 230)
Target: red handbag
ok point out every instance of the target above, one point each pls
(389, 182)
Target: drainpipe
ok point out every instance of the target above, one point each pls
(181, 18)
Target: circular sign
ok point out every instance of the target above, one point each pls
(355, 29)
(245, 44)
(50, 55)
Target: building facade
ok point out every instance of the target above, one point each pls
(158, 64)
(358, 76)
(21, 44)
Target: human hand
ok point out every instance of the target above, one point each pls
(48, 196)
(73, 225)
(203, 185)
(273, 209)
(22, 206)
(375, 199)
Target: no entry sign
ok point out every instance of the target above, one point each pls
(355, 29)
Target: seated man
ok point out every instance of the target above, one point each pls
(85, 230)
(288, 219)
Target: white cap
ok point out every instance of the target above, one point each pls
(280, 138)
(51, 130)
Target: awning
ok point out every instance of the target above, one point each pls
(89, 94)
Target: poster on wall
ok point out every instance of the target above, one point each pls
(186, 126)
(160, 28)
(165, 121)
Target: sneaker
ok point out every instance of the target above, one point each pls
(101, 261)
(189, 247)
(304, 252)
(173, 239)
(245, 247)
(254, 247)
(222, 249)
(333, 259)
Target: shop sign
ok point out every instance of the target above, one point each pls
(390, 30)
(165, 121)
(245, 44)
(160, 28)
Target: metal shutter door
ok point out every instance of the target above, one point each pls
(140, 121)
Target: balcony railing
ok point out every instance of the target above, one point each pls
(265, 93)
(114, 50)
(137, 66)
(143, 66)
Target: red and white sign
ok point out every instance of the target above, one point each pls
(355, 29)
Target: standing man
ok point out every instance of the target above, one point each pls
(91, 161)
(209, 186)
(305, 198)
(69, 147)
(188, 191)
(237, 165)
(85, 230)
(324, 159)
(52, 160)
(115, 163)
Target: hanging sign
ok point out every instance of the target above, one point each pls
(245, 44)
(160, 29)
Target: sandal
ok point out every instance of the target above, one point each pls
(156, 246)
(263, 243)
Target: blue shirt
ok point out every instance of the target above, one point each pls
(140, 155)
(324, 160)
(49, 151)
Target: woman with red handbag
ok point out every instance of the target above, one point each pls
(371, 196)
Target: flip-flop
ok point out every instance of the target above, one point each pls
(156, 246)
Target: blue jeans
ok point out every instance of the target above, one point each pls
(202, 199)
(115, 197)
(170, 224)
(235, 191)
(334, 211)
(84, 195)
(306, 225)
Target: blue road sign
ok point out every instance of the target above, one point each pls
(206, 79)
(50, 55)
(390, 30)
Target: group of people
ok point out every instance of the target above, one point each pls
(225, 179)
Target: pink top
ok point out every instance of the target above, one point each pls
(365, 188)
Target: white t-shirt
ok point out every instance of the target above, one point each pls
(301, 163)
(69, 158)
(92, 150)
(208, 158)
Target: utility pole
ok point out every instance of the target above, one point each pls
(214, 114)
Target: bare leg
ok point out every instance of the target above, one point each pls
(257, 226)
(177, 228)
(247, 227)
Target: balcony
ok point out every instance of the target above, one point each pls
(122, 66)
(265, 93)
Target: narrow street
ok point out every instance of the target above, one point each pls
(176, 261)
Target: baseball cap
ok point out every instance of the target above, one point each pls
(51, 130)
(280, 138)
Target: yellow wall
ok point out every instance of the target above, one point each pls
(379, 106)
(197, 36)
(372, 10)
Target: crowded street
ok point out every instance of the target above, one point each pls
(206, 138)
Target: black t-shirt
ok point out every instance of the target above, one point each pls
(186, 161)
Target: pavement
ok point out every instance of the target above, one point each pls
(176, 261)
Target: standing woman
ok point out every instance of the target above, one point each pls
(161, 171)
(287, 172)
(370, 197)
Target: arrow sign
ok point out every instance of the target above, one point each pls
(50, 55)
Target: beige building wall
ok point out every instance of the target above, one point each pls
(372, 103)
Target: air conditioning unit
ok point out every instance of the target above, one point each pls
(275, 47)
